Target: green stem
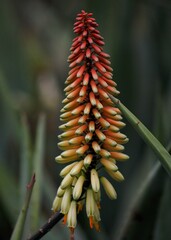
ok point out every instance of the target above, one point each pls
(149, 138)
(19, 227)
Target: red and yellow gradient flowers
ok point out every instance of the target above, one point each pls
(91, 138)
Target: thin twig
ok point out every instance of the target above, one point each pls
(47, 226)
(50, 223)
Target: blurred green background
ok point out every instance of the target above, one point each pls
(35, 37)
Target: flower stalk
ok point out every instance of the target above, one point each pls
(91, 138)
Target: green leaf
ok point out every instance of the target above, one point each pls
(149, 138)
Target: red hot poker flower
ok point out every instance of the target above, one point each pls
(91, 137)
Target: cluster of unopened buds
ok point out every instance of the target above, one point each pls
(91, 140)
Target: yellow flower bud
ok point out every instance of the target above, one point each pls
(116, 175)
(110, 142)
(96, 213)
(87, 109)
(74, 181)
(91, 126)
(105, 124)
(56, 204)
(108, 164)
(60, 192)
(66, 201)
(67, 135)
(95, 180)
(66, 181)
(88, 137)
(68, 153)
(72, 123)
(99, 105)
(96, 147)
(88, 159)
(104, 153)
(97, 197)
(67, 169)
(113, 128)
(109, 189)
(62, 145)
(119, 156)
(80, 151)
(77, 168)
(76, 140)
(65, 115)
(90, 208)
(82, 119)
(72, 215)
(60, 159)
(78, 110)
(118, 148)
(100, 135)
(77, 191)
(96, 113)
(81, 129)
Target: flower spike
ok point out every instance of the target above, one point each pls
(91, 137)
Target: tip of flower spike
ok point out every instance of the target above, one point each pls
(83, 11)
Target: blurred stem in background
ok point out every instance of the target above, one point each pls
(37, 167)
(25, 166)
(19, 227)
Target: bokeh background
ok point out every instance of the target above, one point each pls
(35, 37)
